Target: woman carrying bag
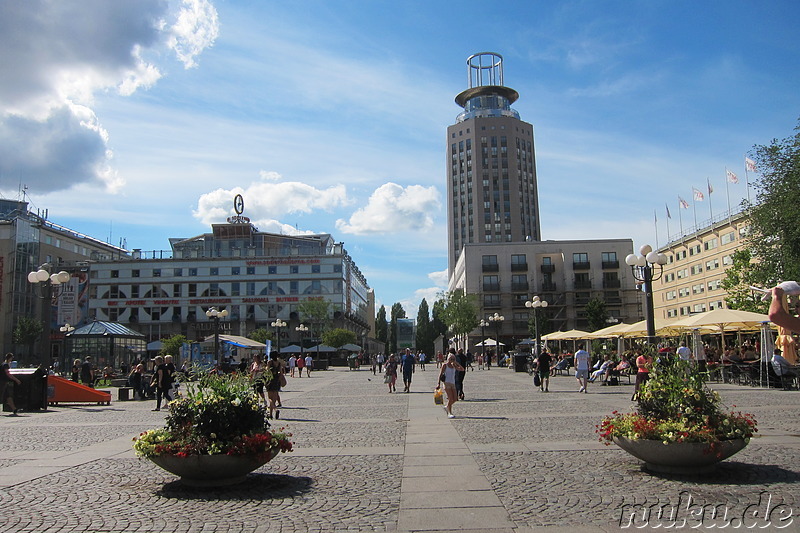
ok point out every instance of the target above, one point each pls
(448, 376)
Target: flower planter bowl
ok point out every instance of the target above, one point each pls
(680, 457)
(212, 470)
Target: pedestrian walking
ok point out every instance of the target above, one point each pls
(162, 380)
(76, 370)
(381, 359)
(7, 381)
(447, 375)
(644, 362)
(373, 362)
(461, 359)
(272, 375)
(292, 365)
(582, 361)
(390, 376)
(309, 362)
(257, 376)
(408, 364)
(543, 363)
(87, 372)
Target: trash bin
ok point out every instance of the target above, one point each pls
(31, 393)
(521, 362)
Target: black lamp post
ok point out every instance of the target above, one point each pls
(302, 329)
(647, 268)
(278, 324)
(215, 314)
(49, 288)
(483, 325)
(66, 329)
(497, 320)
(536, 303)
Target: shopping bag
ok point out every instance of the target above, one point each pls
(437, 397)
(537, 381)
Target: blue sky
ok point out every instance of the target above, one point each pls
(140, 120)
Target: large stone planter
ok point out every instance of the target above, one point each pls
(212, 470)
(680, 457)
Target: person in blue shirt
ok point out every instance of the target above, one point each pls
(408, 363)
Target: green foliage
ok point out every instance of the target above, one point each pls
(774, 235)
(381, 326)
(219, 415)
(397, 312)
(27, 332)
(316, 313)
(172, 345)
(737, 281)
(675, 405)
(425, 333)
(261, 335)
(460, 312)
(338, 337)
(596, 314)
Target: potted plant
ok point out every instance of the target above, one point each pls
(215, 435)
(679, 426)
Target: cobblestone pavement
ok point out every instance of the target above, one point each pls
(71, 468)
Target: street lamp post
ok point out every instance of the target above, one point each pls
(66, 329)
(49, 289)
(278, 324)
(302, 329)
(215, 314)
(484, 324)
(647, 268)
(537, 303)
(497, 320)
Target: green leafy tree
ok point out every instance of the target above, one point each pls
(737, 281)
(317, 313)
(596, 314)
(338, 337)
(381, 326)
(460, 312)
(397, 312)
(774, 234)
(438, 326)
(27, 332)
(173, 345)
(261, 335)
(425, 334)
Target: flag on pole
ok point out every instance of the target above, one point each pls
(710, 188)
(733, 178)
(698, 195)
(684, 203)
(749, 164)
(668, 215)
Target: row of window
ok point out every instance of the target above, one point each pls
(693, 270)
(193, 290)
(579, 258)
(708, 244)
(698, 288)
(216, 271)
(687, 310)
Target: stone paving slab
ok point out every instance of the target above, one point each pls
(514, 460)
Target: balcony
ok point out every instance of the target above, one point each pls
(519, 267)
(610, 264)
(491, 287)
(551, 287)
(491, 268)
(491, 304)
(548, 269)
(611, 284)
(519, 286)
(583, 284)
(583, 265)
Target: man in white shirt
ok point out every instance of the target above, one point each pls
(309, 362)
(582, 360)
(684, 353)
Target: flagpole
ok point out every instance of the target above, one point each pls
(655, 225)
(694, 208)
(710, 190)
(668, 217)
(680, 216)
(747, 180)
(728, 192)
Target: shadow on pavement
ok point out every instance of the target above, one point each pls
(732, 472)
(257, 486)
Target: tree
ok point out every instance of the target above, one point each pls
(397, 312)
(27, 332)
(438, 327)
(338, 337)
(381, 327)
(460, 312)
(172, 345)
(596, 314)
(425, 336)
(737, 281)
(317, 312)
(261, 335)
(774, 234)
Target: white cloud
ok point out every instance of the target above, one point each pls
(393, 208)
(265, 202)
(57, 56)
(439, 278)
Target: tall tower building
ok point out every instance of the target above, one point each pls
(491, 169)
